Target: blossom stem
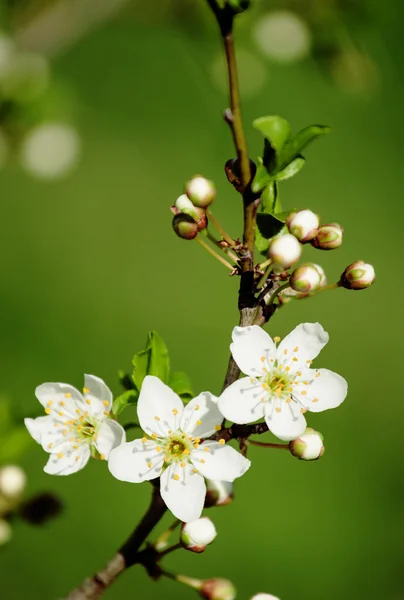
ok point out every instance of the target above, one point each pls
(170, 549)
(219, 228)
(268, 445)
(161, 542)
(227, 251)
(213, 253)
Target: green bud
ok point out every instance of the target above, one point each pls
(328, 237)
(358, 276)
(305, 279)
(184, 226)
(308, 446)
(184, 205)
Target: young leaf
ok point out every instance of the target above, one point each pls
(180, 383)
(262, 178)
(295, 146)
(269, 225)
(291, 169)
(261, 243)
(122, 401)
(126, 380)
(270, 203)
(151, 361)
(275, 129)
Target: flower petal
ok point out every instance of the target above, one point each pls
(252, 347)
(327, 390)
(109, 436)
(60, 399)
(51, 438)
(305, 342)
(97, 396)
(241, 401)
(159, 409)
(136, 461)
(183, 491)
(217, 461)
(201, 417)
(285, 420)
(69, 463)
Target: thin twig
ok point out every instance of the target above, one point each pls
(268, 445)
(212, 219)
(213, 253)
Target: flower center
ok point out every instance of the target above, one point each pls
(178, 447)
(277, 383)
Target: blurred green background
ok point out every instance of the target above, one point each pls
(89, 264)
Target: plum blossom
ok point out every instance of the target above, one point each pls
(175, 449)
(280, 386)
(76, 426)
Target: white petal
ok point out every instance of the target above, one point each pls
(136, 461)
(97, 395)
(43, 430)
(219, 462)
(252, 347)
(241, 401)
(327, 390)
(305, 342)
(201, 417)
(159, 409)
(60, 398)
(288, 422)
(184, 496)
(109, 436)
(69, 463)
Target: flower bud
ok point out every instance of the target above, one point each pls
(305, 279)
(323, 277)
(285, 250)
(195, 536)
(12, 481)
(328, 237)
(200, 191)
(218, 589)
(264, 597)
(218, 493)
(185, 227)
(5, 532)
(303, 224)
(358, 276)
(184, 205)
(308, 446)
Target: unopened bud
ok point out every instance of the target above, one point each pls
(195, 536)
(305, 279)
(12, 481)
(308, 446)
(328, 237)
(323, 277)
(358, 276)
(184, 206)
(5, 532)
(185, 227)
(218, 493)
(285, 250)
(303, 224)
(264, 597)
(218, 589)
(200, 191)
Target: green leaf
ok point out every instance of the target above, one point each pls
(261, 243)
(122, 401)
(126, 380)
(180, 383)
(14, 445)
(291, 170)
(262, 178)
(275, 129)
(295, 146)
(269, 225)
(153, 360)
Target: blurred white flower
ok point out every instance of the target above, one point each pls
(5, 532)
(283, 36)
(12, 481)
(264, 597)
(252, 73)
(50, 151)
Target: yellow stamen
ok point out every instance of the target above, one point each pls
(218, 427)
(277, 339)
(176, 477)
(68, 395)
(106, 403)
(175, 411)
(222, 442)
(86, 391)
(60, 455)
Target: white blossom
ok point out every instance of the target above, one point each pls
(175, 449)
(76, 424)
(280, 385)
(196, 535)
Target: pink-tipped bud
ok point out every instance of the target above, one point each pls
(218, 493)
(200, 191)
(185, 227)
(358, 276)
(218, 589)
(305, 279)
(303, 224)
(328, 237)
(184, 205)
(285, 250)
(195, 536)
(308, 446)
